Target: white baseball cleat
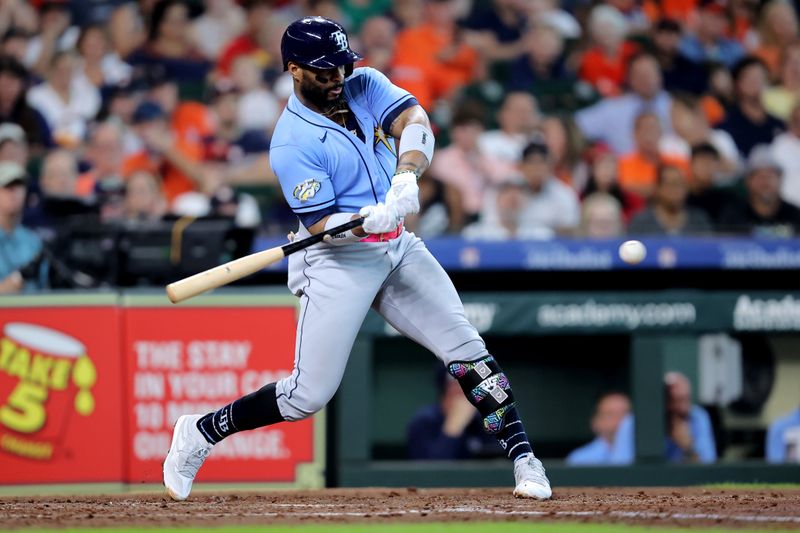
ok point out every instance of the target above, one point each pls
(187, 453)
(531, 479)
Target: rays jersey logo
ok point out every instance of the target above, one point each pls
(381, 138)
(340, 39)
(306, 190)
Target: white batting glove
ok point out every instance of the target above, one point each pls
(404, 193)
(380, 218)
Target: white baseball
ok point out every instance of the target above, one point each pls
(632, 252)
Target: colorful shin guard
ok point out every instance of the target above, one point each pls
(487, 388)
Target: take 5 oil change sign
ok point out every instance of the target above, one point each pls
(60, 395)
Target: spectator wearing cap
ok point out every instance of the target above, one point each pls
(165, 154)
(704, 190)
(19, 246)
(603, 179)
(465, 168)
(249, 42)
(430, 60)
(747, 121)
(220, 22)
(638, 169)
(551, 206)
(781, 98)
(680, 72)
(763, 212)
(690, 128)
(67, 100)
(786, 151)
(13, 144)
(611, 120)
(100, 63)
(519, 120)
(169, 45)
(668, 213)
(13, 107)
(708, 42)
(605, 64)
(56, 34)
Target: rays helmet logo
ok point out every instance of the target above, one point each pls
(306, 190)
(340, 39)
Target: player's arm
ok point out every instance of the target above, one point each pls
(413, 129)
(414, 155)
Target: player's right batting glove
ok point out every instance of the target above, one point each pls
(404, 193)
(380, 218)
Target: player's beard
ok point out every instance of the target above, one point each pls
(320, 97)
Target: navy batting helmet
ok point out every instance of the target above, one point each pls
(317, 42)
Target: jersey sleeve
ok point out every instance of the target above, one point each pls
(386, 99)
(305, 182)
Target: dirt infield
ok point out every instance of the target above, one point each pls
(683, 507)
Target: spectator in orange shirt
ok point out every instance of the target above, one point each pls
(431, 60)
(605, 65)
(165, 153)
(638, 169)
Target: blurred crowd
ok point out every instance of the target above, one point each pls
(592, 118)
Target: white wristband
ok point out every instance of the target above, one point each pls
(337, 219)
(417, 137)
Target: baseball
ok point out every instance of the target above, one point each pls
(632, 252)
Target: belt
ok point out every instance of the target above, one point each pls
(381, 237)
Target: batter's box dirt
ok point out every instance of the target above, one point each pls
(760, 508)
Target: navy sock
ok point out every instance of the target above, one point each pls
(512, 437)
(257, 409)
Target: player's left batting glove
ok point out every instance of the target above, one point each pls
(380, 218)
(404, 193)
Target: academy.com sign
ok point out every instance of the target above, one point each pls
(591, 314)
(768, 314)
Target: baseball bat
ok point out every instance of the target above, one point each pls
(244, 266)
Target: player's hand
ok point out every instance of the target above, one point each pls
(380, 218)
(404, 193)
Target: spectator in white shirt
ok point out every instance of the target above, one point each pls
(786, 151)
(67, 101)
(519, 119)
(552, 206)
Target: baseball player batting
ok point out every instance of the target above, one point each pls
(335, 153)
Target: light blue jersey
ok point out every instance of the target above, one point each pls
(322, 167)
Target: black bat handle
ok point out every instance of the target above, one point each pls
(295, 246)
